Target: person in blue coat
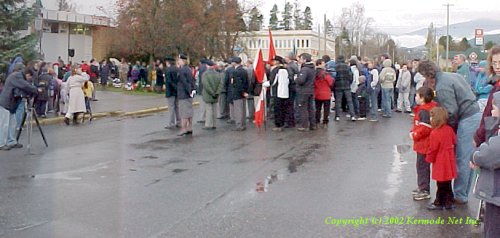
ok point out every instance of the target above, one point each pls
(482, 87)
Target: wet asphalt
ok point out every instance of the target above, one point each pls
(129, 177)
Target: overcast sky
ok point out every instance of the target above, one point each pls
(394, 17)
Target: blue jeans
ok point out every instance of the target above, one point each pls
(465, 132)
(19, 114)
(7, 128)
(373, 104)
(387, 95)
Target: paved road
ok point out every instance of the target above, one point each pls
(128, 177)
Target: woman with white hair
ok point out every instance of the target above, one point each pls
(76, 103)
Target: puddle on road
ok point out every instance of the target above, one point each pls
(70, 175)
(150, 157)
(297, 159)
(177, 171)
(394, 177)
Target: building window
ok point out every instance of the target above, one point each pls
(54, 27)
(79, 29)
(307, 43)
(302, 44)
(298, 44)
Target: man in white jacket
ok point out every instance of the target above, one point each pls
(279, 82)
(404, 84)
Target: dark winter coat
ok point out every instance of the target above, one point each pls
(171, 80)
(239, 84)
(186, 83)
(305, 80)
(44, 81)
(480, 135)
(343, 78)
(160, 77)
(441, 153)
(15, 81)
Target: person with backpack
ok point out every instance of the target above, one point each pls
(387, 79)
(43, 96)
(322, 92)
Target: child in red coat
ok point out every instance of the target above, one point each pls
(322, 92)
(420, 135)
(441, 155)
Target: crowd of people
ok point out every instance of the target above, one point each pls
(456, 115)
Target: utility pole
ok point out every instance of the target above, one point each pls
(325, 29)
(448, 5)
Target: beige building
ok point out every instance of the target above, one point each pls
(302, 41)
(68, 30)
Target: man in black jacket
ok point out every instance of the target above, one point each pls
(305, 93)
(16, 87)
(342, 87)
(171, 79)
(239, 93)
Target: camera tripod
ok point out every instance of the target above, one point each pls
(28, 115)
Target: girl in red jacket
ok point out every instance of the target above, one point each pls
(322, 92)
(441, 155)
(420, 135)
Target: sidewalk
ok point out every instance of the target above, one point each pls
(119, 104)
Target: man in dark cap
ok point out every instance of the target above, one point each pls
(239, 93)
(280, 91)
(212, 86)
(185, 93)
(171, 80)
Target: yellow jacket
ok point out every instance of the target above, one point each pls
(88, 91)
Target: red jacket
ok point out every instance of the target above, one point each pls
(441, 154)
(480, 136)
(422, 129)
(323, 85)
(86, 68)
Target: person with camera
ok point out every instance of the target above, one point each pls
(16, 88)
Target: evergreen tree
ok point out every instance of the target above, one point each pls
(16, 16)
(273, 20)
(489, 45)
(329, 28)
(286, 21)
(463, 45)
(256, 20)
(297, 16)
(308, 20)
(64, 5)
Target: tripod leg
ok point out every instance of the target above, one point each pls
(41, 131)
(22, 125)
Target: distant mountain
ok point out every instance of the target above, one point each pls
(463, 29)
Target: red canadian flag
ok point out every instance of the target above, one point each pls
(272, 50)
(260, 75)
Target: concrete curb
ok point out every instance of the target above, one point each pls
(60, 119)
